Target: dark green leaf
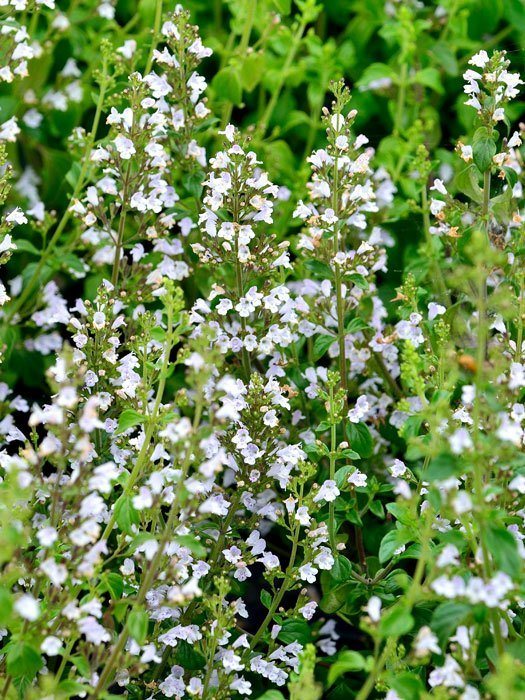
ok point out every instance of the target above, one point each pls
(360, 439)
(321, 345)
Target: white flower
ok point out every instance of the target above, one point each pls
(373, 608)
(438, 186)
(447, 675)
(308, 610)
(357, 478)
(360, 410)
(46, 536)
(51, 646)
(479, 59)
(435, 310)
(307, 573)
(16, 217)
(425, 642)
(327, 492)
(124, 147)
(518, 483)
(28, 607)
(449, 556)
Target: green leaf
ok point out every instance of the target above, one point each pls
(192, 543)
(138, 625)
(295, 631)
(128, 419)
(396, 621)
(271, 695)
(466, 181)
(356, 325)
(334, 599)
(350, 454)
(408, 686)
(319, 269)
(503, 548)
(429, 77)
(446, 618)
(514, 11)
(392, 541)
(26, 246)
(252, 70)
(227, 86)
(341, 570)
(483, 149)
(341, 476)
(193, 184)
(266, 598)
(189, 657)
(6, 604)
(71, 689)
(82, 664)
(23, 660)
(283, 6)
(442, 467)
(377, 508)
(346, 661)
(113, 583)
(360, 439)
(321, 345)
(376, 72)
(126, 515)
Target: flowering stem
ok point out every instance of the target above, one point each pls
(476, 413)
(209, 670)
(437, 274)
(521, 313)
(121, 228)
(244, 354)
(280, 594)
(28, 291)
(147, 582)
(333, 450)
(152, 424)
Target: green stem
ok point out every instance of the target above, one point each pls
(156, 29)
(521, 313)
(209, 670)
(478, 476)
(294, 47)
(121, 228)
(333, 450)
(246, 363)
(401, 97)
(437, 274)
(242, 49)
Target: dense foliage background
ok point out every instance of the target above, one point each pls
(262, 439)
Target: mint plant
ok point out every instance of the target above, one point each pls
(262, 364)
